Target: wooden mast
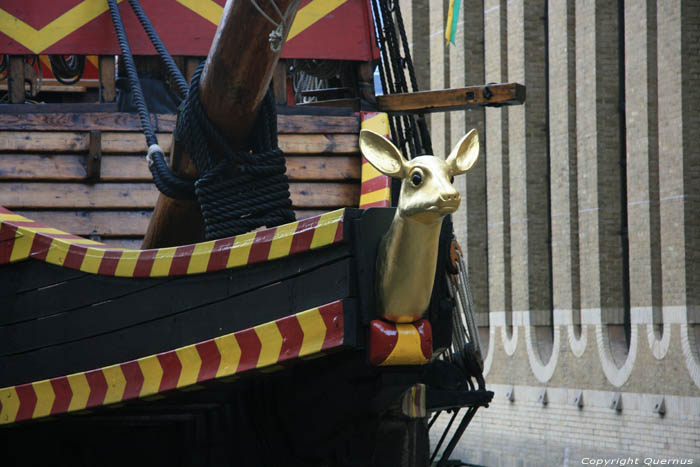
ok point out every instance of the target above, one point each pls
(236, 76)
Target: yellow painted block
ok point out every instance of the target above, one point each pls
(22, 246)
(379, 123)
(408, 349)
(230, 355)
(152, 375)
(57, 252)
(116, 383)
(282, 241)
(162, 262)
(45, 396)
(314, 330)
(81, 391)
(327, 226)
(191, 363)
(127, 263)
(92, 260)
(238, 255)
(200, 257)
(271, 344)
(383, 194)
(10, 405)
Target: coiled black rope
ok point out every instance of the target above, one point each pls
(243, 189)
(68, 69)
(240, 190)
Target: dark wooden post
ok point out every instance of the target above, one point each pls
(15, 82)
(234, 82)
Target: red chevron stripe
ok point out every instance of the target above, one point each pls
(338, 233)
(383, 338)
(181, 260)
(98, 387)
(134, 379)
(5, 211)
(40, 247)
(27, 401)
(144, 263)
(292, 337)
(109, 262)
(220, 253)
(171, 370)
(332, 315)
(250, 346)
(28, 223)
(75, 256)
(7, 241)
(376, 204)
(211, 359)
(375, 184)
(304, 235)
(425, 331)
(64, 394)
(260, 249)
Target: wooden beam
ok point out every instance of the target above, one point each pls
(94, 157)
(122, 121)
(108, 90)
(16, 79)
(133, 168)
(491, 95)
(305, 195)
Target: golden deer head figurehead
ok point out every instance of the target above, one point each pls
(407, 256)
(427, 193)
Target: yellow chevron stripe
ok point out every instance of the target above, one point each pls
(282, 241)
(369, 172)
(383, 194)
(37, 40)
(162, 262)
(240, 250)
(45, 396)
(408, 348)
(6, 217)
(306, 17)
(152, 374)
(191, 363)
(326, 228)
(81, 391)
(116, 383)
(9, 405)
(57, 252)
(313, 12)
(378, 123)
(314, 330)
(271, 344)
(92, 260)
(23, 244)
(230, 355)
(200, 257)
(127, 263)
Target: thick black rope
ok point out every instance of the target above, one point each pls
(240, 190)
(173, 70)
(165, 180)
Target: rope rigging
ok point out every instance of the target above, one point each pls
(238, 191)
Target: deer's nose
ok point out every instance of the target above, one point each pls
(451, 196)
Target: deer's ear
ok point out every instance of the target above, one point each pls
(382, 154)
(464, 154)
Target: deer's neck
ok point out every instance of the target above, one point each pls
(406, 268)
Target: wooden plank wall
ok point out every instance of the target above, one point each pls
(44, 164)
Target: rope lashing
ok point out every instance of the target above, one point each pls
(276, 37)
(242, 189)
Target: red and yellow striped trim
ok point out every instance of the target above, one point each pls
(376, 187)
(22, 238)
(305, 334)
(400, 344)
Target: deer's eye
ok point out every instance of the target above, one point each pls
(452, 180)
(416, 178)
